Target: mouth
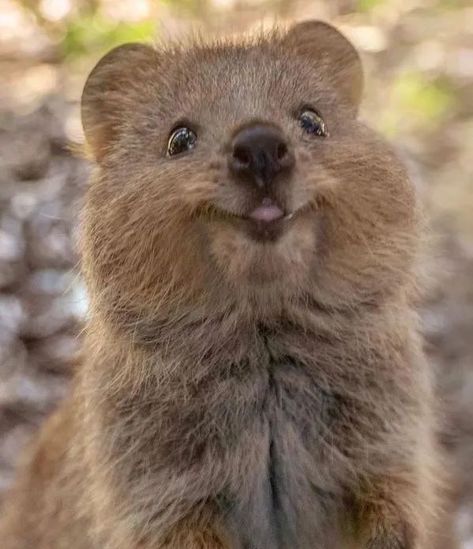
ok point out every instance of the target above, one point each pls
(266, 222)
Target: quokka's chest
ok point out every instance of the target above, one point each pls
(261, 445)
(285, 493)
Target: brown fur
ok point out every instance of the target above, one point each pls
(238, 393)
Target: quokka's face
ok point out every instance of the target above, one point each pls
(243, 164)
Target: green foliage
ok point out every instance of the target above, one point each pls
(427, 100)
(416, 103)
(92, 34)
(453, 4)
(192, 7)
(368, 5)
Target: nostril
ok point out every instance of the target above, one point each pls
(242, 155)
(281, 151)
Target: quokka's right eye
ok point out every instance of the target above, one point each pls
(182, 139)
(312, 123)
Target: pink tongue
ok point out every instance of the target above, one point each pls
(266, 213)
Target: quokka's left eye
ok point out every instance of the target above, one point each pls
(312, 123)
(182, 139)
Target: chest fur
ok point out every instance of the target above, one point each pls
(268, 443)
(288, 496)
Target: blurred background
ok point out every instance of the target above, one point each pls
(418, 56)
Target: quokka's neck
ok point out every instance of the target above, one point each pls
(189, 342)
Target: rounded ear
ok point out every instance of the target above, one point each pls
(109, 91)
(333, 53)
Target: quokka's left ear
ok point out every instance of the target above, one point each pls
(112, 90)
(332, 54)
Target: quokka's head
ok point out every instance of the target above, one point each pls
(240, 168)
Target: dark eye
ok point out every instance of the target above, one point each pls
(181, 140)
(312, 123)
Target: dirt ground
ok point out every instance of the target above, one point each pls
(418, 56)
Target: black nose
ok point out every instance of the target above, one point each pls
(260, 153)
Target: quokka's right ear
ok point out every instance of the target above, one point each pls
(111, 87)
(330, 52)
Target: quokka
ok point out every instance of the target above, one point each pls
(252, 374)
